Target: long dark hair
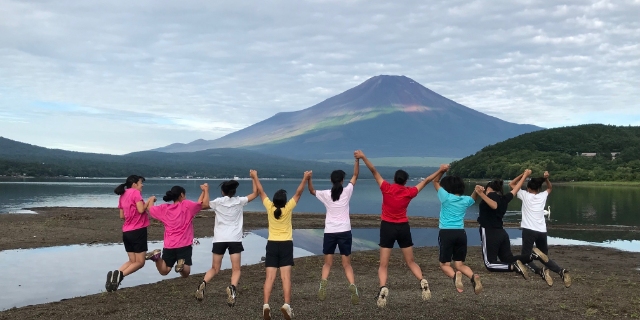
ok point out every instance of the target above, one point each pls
(229, 187)
(174, 194)
(279, 201)
(119, 190)
(497, 186)
(337, 177)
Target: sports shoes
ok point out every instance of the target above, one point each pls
(477, 285)
(116, 279)
(426, 293)
(546, 276)
(200, 291)
(519, 267)
(536, 254)
(322, 292)
(287, 311)
(108, 284)
(457, 280)
(381, 300)
(566, 278)
(179, 265)
(266, 312)
(355, 297)
(231, 295)
(153, 255)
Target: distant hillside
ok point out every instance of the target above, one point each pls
(18, 158)
(560, 152)
(386, 116)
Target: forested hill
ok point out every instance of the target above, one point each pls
(567, 153)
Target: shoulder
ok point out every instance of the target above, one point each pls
(267, 202)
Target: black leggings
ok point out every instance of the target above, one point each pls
(496, 245)
(529, 238)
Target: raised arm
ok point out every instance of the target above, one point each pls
(296, 197)
(360, 155)
(443, 168)
(546, 180)
(436, 180)
(259, 185)
(150, 202)
(312, 190)
(519, 180)
(356, 172)
(204, 196)
(479, 190)
(254, 194)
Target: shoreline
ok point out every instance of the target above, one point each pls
(56, 226)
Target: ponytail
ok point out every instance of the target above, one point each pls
(337, 177)
(279, 201)
(229, 187)
(174, 194)
(119, 190)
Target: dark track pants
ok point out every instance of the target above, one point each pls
(529, 238)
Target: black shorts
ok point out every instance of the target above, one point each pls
(279, 254)
(221, 247)
(135, 240)
(170, 256)
(341, 239)
(391, 232)
(453, 245)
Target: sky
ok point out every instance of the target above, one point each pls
(122, 76)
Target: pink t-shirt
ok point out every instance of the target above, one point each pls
(133, 220)
(178, 222)
(337, 211)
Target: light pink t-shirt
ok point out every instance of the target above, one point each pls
(337, 212)
(133, 220)
(178, 222)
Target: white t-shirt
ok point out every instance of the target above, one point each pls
(228, 227)
(533, 210)
(337, 212)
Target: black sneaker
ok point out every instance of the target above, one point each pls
(519, 267)
(116, 279)
(108, 284)
(200, 291)
(566, 278)
(231, 295)
(536, 254)
(546, 276)
(381, 299)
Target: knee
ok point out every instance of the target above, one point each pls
(445, 265)
(164, 272)
(141, 263)
(346, 264)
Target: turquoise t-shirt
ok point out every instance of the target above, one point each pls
(453, 209)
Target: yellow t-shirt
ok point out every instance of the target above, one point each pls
(280, 229)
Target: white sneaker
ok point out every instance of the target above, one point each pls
(382, 297)
(426, 293)
(287, 311)
(266, 312)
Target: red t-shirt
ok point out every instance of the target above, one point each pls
(395, 200)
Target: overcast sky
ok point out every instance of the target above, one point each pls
(121, 76)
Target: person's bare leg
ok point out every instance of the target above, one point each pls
(216, 263)
(460, 266)
(348, 270)
(134, 265)
(447, 269)
(385, 255)
(185, 271)
(326, 268)
(235, 268)
(413, 266)
(285, 275)
(132, 259)
(162, 267)
(268, 282)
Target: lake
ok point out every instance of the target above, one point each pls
(570, 204)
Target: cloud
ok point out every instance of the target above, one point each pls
(121, 76)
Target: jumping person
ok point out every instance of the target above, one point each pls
(534, 229)
(395, 226)
(279, 244)
(495, 240)
(227, 235)
(452, 237)
(134, 229)
(337, 230)
(177, 218)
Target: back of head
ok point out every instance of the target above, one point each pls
(337, 177)
(279, 201)
(119, 190)
(174, 194)
(497, 186)
(229, 188)
(453, 185)
(401, 177)
(535, 184)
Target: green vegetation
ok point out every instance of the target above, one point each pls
(559, 151)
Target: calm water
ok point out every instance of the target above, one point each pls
(569, 204)
(28, 283)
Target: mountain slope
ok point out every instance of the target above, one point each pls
(559, 151)
(385, 115)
